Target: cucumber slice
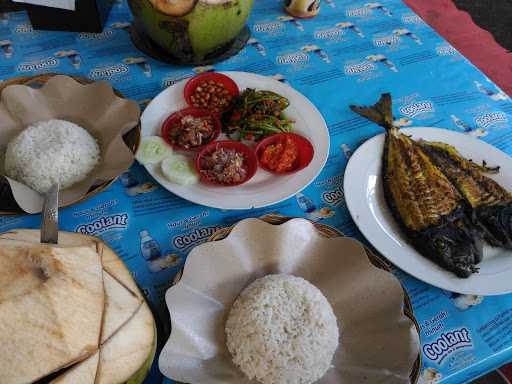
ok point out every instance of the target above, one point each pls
(152, 150)
(180, 170)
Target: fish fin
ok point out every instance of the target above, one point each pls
(380, 113)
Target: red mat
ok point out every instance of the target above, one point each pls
(475, 43)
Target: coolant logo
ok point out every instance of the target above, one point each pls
(192, 238)
(293, 58)
(268, 27)
(38, 65)
(329, 33)
(418, 108)
(447, 343)
(335, 197)
(108, 72)
(103, 224)
(354, 12)
(96, 36)
(411, 19)
(491, 118)
(24, 28)
(169, 82)
(386, 41)
(446, 50)
(355, 69)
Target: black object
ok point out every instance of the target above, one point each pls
(88, 16)
(146, 45)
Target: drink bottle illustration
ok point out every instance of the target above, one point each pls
(460, 124)
(141, 63)
(305, 203)
(120, 25)
(292, 20)
(4, 18)
(6, 46)
(384, 10)
(494, 95)
(73, 56)
(382, 59)
(346, 150)
(256, 44)
(317, 51)
(150, 251)
(279, 77)
(467, 129)
(406, 32)
(128, 180)
(351, 26)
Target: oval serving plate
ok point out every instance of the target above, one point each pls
(366, 203)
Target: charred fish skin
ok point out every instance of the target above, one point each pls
(489, 204)
(422, 200)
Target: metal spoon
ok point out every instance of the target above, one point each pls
(50, 216)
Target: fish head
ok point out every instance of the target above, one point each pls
(454, 246)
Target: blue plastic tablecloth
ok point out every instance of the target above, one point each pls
(349, 54)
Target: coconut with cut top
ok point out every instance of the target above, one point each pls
(191, 30)
(70, 314)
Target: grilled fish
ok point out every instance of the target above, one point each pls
(422, 200)
(490, 205)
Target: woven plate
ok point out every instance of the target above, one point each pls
(328, 231)
(8, 205)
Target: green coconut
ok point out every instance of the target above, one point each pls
(191, 29)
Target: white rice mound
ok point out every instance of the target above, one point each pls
(51, 151)
(281, 329)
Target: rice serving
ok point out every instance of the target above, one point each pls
(281, 329)
(50, 152)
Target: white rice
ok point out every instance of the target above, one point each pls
(281, 329)
(51, 151)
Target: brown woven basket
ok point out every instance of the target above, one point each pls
(8, 205)
(328, 231)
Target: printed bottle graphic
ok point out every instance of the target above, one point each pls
(305, 203)
(496, 96)
(141, 63)
(279, 77)
(121, 25)
(460, 124)
(409, 34)
(4, 18)
(382, 59)
(317, 51)
(467, 129)
(6, 46)
(346, 150)
(72, 55)
(351, 26)
(384, 10)
(128, 180)
(256, 44)
(150, 251)
(292, 20)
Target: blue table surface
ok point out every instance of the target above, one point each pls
(379, 47)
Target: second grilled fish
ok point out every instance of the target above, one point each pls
(490, 204)
(424, 202)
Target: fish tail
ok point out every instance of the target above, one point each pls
(380, 113)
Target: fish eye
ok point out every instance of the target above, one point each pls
(440, 244)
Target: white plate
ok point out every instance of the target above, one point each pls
(365, 201)
(264, 188)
